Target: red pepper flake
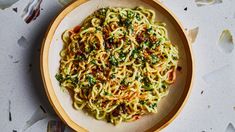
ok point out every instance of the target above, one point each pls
(123, 87)
(149, 51)
(115, 113)
(76, 29)
(146, 54)
(137, 117)
(79, 52)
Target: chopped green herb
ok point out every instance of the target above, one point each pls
(137, 77)
(148, 87)
(59, 77)
(91, 80)
(138, 17)
(97, 29)
(111, 39)
(87, 49)
(124, 82)
(154, 46)
(149, 29)
(147, 84)
(153, 105)
(74, 80)
(122, 56)
(135, 53)
(128, 42)
(175, 58)
(103, 11)
(146, 44)
(130, 14)
(106, 93)
(93, 62)
(67, 77)
(113, 61)
(160, 41)
(143, 59)
(128, 22)
(163, 86)
(79, 57)
(154, 59)
(145, 80)
(142, 102)
(130, 28)
(113, 76)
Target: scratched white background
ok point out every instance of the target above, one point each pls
(210, 108)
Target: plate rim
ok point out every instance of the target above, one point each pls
(44, 53)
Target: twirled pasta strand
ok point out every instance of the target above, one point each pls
(119, 63)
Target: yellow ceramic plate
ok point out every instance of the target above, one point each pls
(61, 101)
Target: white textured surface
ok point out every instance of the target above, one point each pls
(215, 70)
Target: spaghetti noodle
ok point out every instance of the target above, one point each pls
(118, 64)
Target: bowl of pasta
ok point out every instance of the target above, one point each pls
(116, 65)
